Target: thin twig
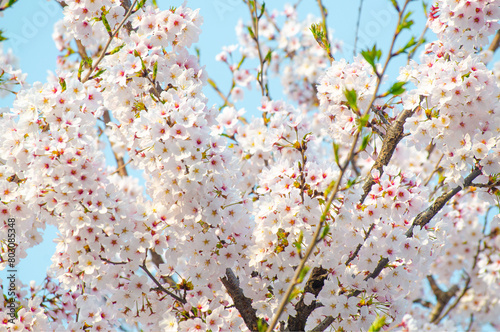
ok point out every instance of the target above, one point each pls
(121, 165)
(160, 286)
(433, 171)
(113, 34)
(357, 27)
(255, 24)
(324, 14)
(468, 279)
(216, 88)
(420, 41)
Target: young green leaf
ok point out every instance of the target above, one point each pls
(80, 69)
(303, 273)
(397, 88)
(409, 44)
(363, 121)
(377, 324)
(395, 4)
(405, 23)
(155, 70)
(250, 31)
(117, 49)
(62, 83)
(268, 56)
(364, 142)
(371, 56)
(106, 25)
(336, 148)
(325, 231)
(352, 98)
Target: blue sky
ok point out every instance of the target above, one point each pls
(29, 24)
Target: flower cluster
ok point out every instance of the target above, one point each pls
(455, 112)
(463, 26)
(10, 74)
(216, 233)
(343, 120)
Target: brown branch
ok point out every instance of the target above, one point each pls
(315, 237)
(392, 138)
(434, 171)
(160, 286)
(424, 217)
(442, 298)
(219, 92)
(324, 324)
(111, 262)
(241, 302)
(82, 51)
(314, 285)
(495, 42)
(121, 169)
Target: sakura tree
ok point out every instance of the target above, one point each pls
(359, 202)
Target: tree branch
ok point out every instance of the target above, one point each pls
(323, 325)
(160, 286)
(241, 302)
(121, 166)
(424, 217)
(442, 298)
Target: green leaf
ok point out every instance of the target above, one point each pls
(364, 142)
(250, 31)
(80, 69)
(409, 44)
(352, 98)
(298, 243)
(303, 273)
(397, 88)
(155, 70)
(405, 23)
(117, 49)
(62, 83)
(140, 4)
(99, 73)
(262, 10)
(377, 324)
(325, 231)
(371, 56)
(2, 38)
(88, 61)
(106, 25)
(268, 57)
(336, 148)
(363, 120)
(395, 4)
(261, 325)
